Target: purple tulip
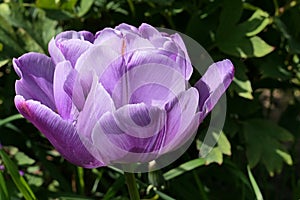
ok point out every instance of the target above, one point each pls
(119, 96)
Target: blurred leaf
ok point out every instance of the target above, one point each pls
(264, 143)
(241, 83)
(10, 119)
(294, 45)
(34, 180)
(23, 159)
(17, 178)
(254, 185)
(3, 189)
(112, 190)
(241, 40)
(84, 7)
(57, 4)
(188, 166)
(216, 154)
(163, 195)
(273, 66)
(256, 23)
(4, 62)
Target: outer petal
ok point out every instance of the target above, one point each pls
(213, 84)
(36, 72)
(60, 133)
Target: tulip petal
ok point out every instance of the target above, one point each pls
(97, 59)
(59, 132)
(54, 45)
(97, 103)
(123, 136)
(181, 118)
(62, 99)
(110, 37)
(213, 84)
(148, 32)
(151, 74)
(36, 73)
(73, 49)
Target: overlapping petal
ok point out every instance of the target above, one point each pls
(119, 97)
(59, 132)
(213, 85)
(36, 72)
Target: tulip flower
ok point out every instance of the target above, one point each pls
(119, 96)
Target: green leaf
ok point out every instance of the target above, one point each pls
(112, 190)
(84, 7)
(16, 177)
(254, 185)
(188, 166)
(237, 44)
(256, 23)
(23, 159)
(216, 154)
(163, 195)
(264, 144)
(294, 45)
(3, 189)
(10, 119)
(241, 84)
(240, 39)
(4, 62)
(56, 4)
(260, 47)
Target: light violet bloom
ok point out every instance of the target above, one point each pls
(119, 96)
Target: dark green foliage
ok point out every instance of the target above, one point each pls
(257, 155)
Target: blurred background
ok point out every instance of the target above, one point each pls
(257, 155)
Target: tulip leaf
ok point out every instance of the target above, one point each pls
(264, 143)
(16, 177)
(3, 189)
(119, 183)
(185, 167)
(254, 185)
(163, 195)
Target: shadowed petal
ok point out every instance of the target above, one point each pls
(213, 84)
(36, 72)
(60, 133)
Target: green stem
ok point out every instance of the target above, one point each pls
(132, 187)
